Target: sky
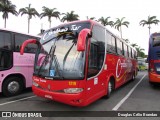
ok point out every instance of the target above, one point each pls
(133, 10)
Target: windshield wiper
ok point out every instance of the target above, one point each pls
(45, 59)
(56, 64)
(53, 59)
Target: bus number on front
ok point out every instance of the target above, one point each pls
(71, 83)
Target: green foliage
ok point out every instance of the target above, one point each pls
(69, 17)
(105, 21)
(140, 52)
(119, 23)
(7, 7)
(30, 12)
(47, 12)
(149, 21)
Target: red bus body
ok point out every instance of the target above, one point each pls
(116, 69)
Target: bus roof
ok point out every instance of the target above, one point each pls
(4, 29)
(93, 23)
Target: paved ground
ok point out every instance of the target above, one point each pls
(135, 96)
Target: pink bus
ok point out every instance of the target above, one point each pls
(15, 70)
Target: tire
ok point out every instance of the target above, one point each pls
(133, 76)
(109, 89)
(12, 86)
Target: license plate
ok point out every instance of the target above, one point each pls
(48, 96)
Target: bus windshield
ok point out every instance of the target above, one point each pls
(59, 58)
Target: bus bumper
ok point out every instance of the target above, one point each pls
(153, 77)
(70, 99)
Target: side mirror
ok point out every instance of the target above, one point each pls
(81, 43)
(25, 43)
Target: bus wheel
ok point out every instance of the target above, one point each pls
(109, 89)
(12, 86)
(133, 76)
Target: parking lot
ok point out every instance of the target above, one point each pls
(136, 95)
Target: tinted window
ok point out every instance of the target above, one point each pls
(97, 50)
(135, 54)
(125, 50)
(5, 40)
(111, 43)
(99, 33)
(19, 39)
(129, 51)
(156, 41)
(119, 47)
(93, 60)
(5, 59)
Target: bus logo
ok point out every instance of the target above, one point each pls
(118, 68)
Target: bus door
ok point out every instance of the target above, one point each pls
(95, 84)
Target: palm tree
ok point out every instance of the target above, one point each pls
(119, 23)
(140, 52)
(91, 18)
(134, 45)
(7, 7)
(149, 21)
(30, 12)
(105, 21)
(126, 40)
(49, 13)
(69, 17)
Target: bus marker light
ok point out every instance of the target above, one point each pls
(105, 67)
(95, 81)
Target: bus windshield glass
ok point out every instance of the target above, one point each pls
(57, 56)
(156, 41)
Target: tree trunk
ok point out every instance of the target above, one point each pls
(149, 29)
(28, 24)
(50, 24)
(121, 31)
(4, 22)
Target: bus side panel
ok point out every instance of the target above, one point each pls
(120, 68)
(24, 64)
(115, 69)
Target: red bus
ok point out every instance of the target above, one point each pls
(79, 62)
(153, 58)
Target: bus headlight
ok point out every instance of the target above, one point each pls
(73, 90)
(35, 84)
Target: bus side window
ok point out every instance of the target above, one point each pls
(5, 50)
(5, 59)
(19, 39)
(5, 40)
(93, 60)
